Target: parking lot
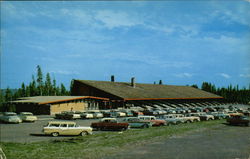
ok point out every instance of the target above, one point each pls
(219, 142)
(32, 132)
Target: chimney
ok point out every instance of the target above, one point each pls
(133, 82)
(112, 78)
(160, 82)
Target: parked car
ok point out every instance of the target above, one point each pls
(128, 113)
(134, 122)
(27, 117)
(189, 119)
(86, 115)
(10, 117)
(239, 120)
(137, 113)
(220, 115)
(56, 128)
(117, 114)
(172, 119)
(96, 114)
(156, 122)
(68, 115)
(109, 124)
(202, 116)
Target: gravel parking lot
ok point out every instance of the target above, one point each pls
(219, 142)
(32, 132)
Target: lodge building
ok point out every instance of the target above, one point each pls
(91, 95)
(127, 94)
(50, 105)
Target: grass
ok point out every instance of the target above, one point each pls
(98, 145)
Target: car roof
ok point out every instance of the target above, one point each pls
(61, 122)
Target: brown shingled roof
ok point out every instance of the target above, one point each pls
(149, 91)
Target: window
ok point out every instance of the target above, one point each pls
(54, 125)
(71, 125)
(63, 125)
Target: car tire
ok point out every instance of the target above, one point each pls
(84, 133)
(188, 121)
(55, 134)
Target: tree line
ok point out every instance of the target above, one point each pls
(232, 94)
(48, 87)
(37, 87)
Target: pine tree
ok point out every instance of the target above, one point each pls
(40, 80)
(48, 85)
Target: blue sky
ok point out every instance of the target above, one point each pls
(179, 42)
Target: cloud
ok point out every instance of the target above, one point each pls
(184, 75)
(245, 75)
(225, 75)
(112, 19)
(64, 72)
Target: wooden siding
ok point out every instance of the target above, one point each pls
(70, 106)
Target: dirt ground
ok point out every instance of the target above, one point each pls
(220, 142)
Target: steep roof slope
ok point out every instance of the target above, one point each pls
(148, 91)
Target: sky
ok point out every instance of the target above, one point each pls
(178, 42)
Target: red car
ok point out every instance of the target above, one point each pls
(238, 120)
(109, 124)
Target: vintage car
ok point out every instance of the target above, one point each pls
(188, 118)
(68, 115)
(109, 124)
(117, 114)
(10, 117)
(202, 116)
(234, 113)
(156, 122)
(97, 114)
(87, 115)
(220, 115)
(172, 119)
(27, 117)
(56, 128)
(128, 113)
(238, 120)
(134, 122)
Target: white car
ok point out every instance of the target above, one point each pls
(27, 117)
(10, 117)
(56, 128)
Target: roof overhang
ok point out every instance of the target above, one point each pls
(129, 99)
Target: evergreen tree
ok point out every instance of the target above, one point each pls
(63, 90)
(40, 80)
(54, 88)
(48, 85)
(8, 95)
(33, 87)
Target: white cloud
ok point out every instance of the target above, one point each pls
(112, 19)
(64, 72)
(184, 75)
(245, 75)
(225, 75)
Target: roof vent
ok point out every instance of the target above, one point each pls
(112, 78)
(133, 82)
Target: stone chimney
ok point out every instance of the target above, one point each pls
(160, 82)
(112, 78)
(133, 82)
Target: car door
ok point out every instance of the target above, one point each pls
(63, 129)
